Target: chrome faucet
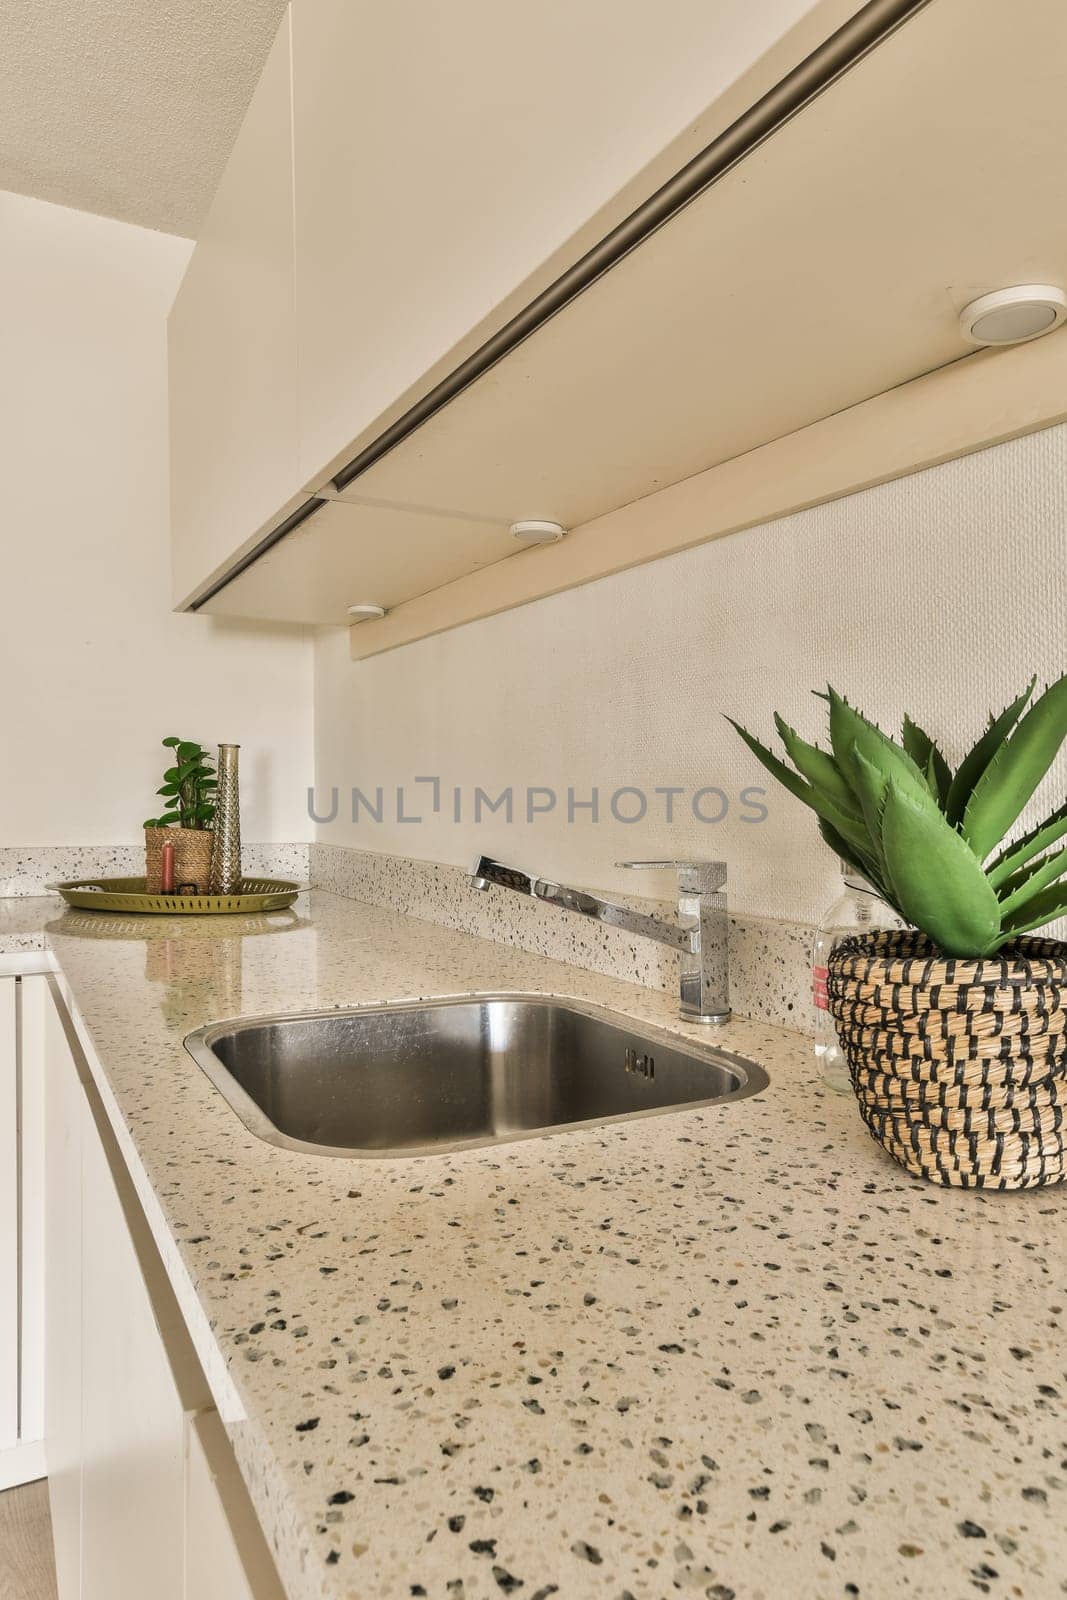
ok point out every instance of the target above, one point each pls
(700, 934)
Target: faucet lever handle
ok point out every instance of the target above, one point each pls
(709, 876)
(656, 865)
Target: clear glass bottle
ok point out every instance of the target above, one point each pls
(858, 909)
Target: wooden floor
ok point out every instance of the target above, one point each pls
(26, 1568)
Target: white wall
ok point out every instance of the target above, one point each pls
(94, 666)
(939, 593)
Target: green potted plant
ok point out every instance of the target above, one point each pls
(189, 790)
(956, 1028)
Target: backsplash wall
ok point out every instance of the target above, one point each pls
(770, 976)
(939, 593)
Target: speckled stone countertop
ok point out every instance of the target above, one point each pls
(731, 1352)
(22, 923)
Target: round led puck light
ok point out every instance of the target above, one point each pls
(533, 532)
(1012, 316)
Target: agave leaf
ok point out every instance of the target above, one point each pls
(978, 758)
(875, 781)
(849, 827)
(1031, 844)
(935, 777)
(1016, 770)
(1038, 912)
(1036, 878)
(1005, 890)
(876, 759)
(874, 786)
(819, 768)
(917, 743)
(865, 865)
(845, 724)
(928, 758)
(938, 885)
(851, 731)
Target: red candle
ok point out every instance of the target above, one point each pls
(166, 872)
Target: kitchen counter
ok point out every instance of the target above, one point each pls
(730, 1352)
(22, 923)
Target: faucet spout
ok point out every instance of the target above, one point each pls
(700, 934)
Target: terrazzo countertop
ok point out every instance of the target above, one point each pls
(22, 923)
(725, 1353)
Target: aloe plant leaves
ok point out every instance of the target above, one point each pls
(1026, 885)
(937, 882)
(928, 758)
(920, 834)
(1015, 771)
(845, 726)
(819, 768)
(851, 731)
(845, 824)
(981, 754)
(1038, 912)
(863, 862)
(1031, 844)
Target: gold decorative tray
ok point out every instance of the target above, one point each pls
(128, 894)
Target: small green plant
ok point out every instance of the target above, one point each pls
(189, 787)
(923, 835)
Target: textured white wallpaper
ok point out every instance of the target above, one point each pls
(940, 594)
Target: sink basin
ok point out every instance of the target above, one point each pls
(426, 1077)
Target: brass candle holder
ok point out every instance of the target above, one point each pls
(226, 847)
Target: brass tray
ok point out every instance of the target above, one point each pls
(128, 894)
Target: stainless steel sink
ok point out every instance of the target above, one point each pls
(425, 1077)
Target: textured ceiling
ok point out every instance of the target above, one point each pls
(127, 107)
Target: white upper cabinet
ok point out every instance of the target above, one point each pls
(451, 163)
(406, 178)
(232, 352)
(446, 155)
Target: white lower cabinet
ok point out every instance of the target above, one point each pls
(21, 1229)
(62, 1288)
(226, 1557)
(133, 1414)
(9, 1219)
(145, 1494)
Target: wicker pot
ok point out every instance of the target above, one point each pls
(960, 1067)
(192, 857)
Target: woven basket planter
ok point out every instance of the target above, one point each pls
(192, 857)
(960, 1067)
